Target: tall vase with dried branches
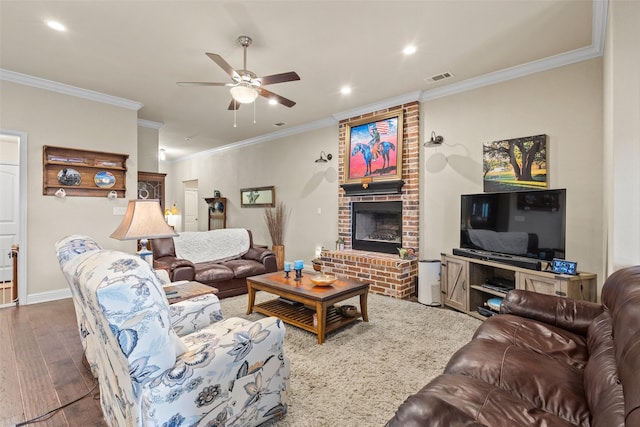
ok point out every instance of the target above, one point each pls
(276, 219)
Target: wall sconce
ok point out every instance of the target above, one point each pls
(322, 158)
(435, 141)
(162, 154)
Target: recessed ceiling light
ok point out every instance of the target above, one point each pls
(345, 90)
(56, 26)
(409, 50)
(273, 102)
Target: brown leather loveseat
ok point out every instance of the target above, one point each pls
(227, 271)
(544, 361)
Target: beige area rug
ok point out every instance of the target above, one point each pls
(363, 372)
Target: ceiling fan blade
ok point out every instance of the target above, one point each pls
(233, 105)
(281, 99)
(279, 78)
(224, 65)
(201, 84)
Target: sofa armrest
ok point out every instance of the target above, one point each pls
(566, 313)
(257, 254)
(178, 268)
(195, 313)
(264, 256)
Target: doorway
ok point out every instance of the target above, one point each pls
(191, 205)
(13, 211)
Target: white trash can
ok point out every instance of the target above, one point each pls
(429, 282)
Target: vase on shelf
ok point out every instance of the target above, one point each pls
(279, 251)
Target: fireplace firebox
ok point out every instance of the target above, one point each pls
(376, 226)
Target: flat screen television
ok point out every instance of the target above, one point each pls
(524, 223)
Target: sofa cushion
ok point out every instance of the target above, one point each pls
(456, 401)
(545, 382)
(245, 268)
(206, 272)
(536, 336)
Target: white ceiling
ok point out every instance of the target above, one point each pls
(138, 50)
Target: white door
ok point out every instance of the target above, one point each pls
(9, 219)
(190, 209)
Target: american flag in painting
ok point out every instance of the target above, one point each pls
(383, 126)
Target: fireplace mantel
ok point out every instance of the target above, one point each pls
(373, 188)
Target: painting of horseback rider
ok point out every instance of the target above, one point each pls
(375, 148)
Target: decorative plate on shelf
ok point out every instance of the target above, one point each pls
(104, 179)
(69, 176)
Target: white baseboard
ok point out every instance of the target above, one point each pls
(47, 296)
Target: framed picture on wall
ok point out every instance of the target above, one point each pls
(515, 164)
(374, 148)
(258, 197)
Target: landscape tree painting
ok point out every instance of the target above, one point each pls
(515, 164)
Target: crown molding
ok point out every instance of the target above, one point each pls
(307, 127)
(599, 24)
(598, 34)
(381, 105)
(149, 124)
(37, 82)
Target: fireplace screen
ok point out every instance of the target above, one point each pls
(376, 226)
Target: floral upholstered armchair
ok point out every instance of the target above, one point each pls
(186, 316)
(233, 372)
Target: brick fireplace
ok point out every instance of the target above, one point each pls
(387, 273)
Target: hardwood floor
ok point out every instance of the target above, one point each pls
(41, 367)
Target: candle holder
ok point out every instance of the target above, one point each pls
(286, 274)
(298, 274)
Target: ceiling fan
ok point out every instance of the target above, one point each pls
(246, 86)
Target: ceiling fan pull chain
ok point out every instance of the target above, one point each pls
(234, 116)
(254, 112)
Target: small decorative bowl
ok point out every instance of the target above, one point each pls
(348, 310)
(322, 279)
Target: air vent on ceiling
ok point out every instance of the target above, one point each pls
(439, 77)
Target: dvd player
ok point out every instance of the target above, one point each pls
(517, 261)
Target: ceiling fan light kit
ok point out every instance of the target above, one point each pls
(244, 93)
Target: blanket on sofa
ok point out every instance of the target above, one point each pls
(215, 245)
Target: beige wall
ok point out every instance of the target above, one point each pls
(147, 149)
(50, 118)
(622, 135)
(564, 103)
(289, 165)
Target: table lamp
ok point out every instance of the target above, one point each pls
(143, 221)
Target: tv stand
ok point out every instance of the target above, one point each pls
(462, 279)
(518, 261)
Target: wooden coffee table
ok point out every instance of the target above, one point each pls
(315, 300)
(188, 290)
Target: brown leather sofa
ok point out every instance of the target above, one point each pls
(544, 361)
(229, 277)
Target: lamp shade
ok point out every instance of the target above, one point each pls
(143, 220)
(244, 93)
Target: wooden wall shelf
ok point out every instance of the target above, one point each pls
(217, 212)
(87, 164)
